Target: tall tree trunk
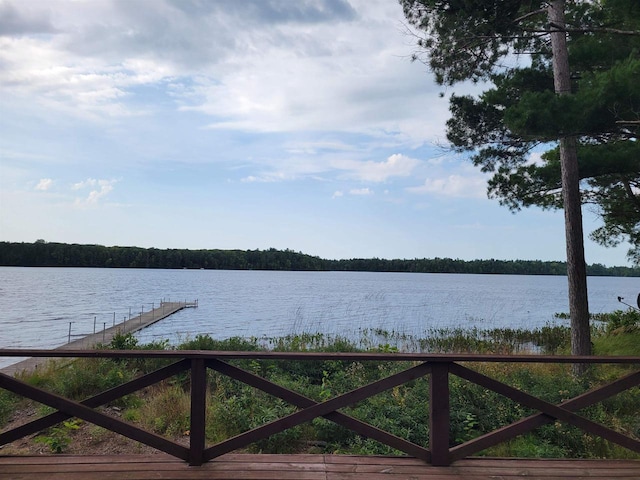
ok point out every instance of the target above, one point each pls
(576, 265)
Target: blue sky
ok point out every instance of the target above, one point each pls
(242, 124)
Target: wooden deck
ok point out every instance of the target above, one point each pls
(307, 467)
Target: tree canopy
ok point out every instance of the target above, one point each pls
(53, 254)
(512, 127)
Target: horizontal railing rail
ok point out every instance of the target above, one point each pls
(438, 367)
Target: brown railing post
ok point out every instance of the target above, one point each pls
(198, 411)
(439, 414)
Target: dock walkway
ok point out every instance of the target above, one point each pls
(104, 336)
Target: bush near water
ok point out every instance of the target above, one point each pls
(234, 407)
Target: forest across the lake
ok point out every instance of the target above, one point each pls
(53, 254)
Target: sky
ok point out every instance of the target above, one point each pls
(243, 124)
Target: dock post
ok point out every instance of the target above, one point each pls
(69, 339)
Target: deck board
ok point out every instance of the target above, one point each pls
(306, 467)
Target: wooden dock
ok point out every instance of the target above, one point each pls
(104, 336)
(307, 467)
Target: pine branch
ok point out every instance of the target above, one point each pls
(530, 14)
(615, 31)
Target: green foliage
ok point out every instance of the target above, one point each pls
(451, 58)
(167, 411)
(520, 112)
(52, 254)
(626, 321)
(244, 408)
(528, 446)
(58, 438)
(548, 339)
(85, 377)
(8, 403)
(66, 255)
(127, 341)
(621, 344)
(123, 341)
(233, 344)
(403, 410)
(233, 407)
(82, 378)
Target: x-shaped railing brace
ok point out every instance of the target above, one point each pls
(549, 412)
(85, 409)
(312, 409)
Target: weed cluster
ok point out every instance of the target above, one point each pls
(8, 403)
(623, 321)
(58, 438)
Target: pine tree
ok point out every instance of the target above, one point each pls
(574, 91)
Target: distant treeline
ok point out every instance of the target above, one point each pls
(49, 254)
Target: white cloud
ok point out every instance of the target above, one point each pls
(253, 179)
(268, 178)
(55, 80)
(338, 194)
(397, 165)
(263, 67)
(44, 184)
(361, 191)
(313, 147)
(453, 186)
(27, 21)
(98, 189)
(535, 158)
(89, 182)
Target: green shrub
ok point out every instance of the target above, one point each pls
(623, 321)
(8, 403)
(167, 410)
(86, 377)
(58, 438)
(233, 344)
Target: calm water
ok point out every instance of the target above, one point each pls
(37, 304)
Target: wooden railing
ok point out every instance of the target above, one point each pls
(438, 367)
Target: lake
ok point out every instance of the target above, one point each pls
(37, 304)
